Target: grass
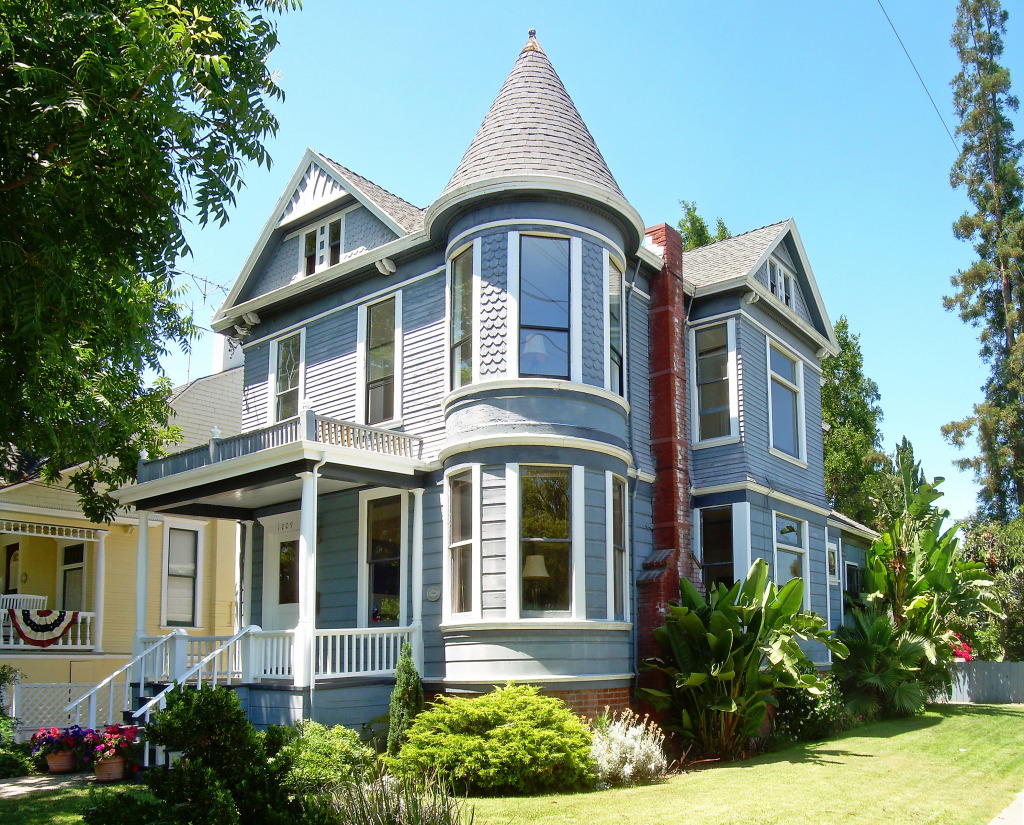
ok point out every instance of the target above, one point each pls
(955, 765)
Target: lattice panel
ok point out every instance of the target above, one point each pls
(42, 704)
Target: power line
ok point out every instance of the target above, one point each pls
(923, 85)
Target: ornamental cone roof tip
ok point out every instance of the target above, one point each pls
(533, 129)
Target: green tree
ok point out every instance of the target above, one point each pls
(118, 120)
(990, 291)
(853, 442)
(406, 701)
(694, 228)
(1001, 548)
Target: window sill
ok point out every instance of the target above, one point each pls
(716, 442)
(390, 424)
(180, 627)
(787, 457)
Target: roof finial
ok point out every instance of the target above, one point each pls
(532, 45)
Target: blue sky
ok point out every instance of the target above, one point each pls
(758, 111)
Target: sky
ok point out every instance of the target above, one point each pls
(757, 111)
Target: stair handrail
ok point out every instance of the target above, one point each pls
(94, 691)
(160, 698)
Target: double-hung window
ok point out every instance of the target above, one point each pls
(181, 576)
(380, 361)
(460, 496)
(546, 540)
(780, 283)
(615, 373)
(714, 382)
(544, 307)
(384, 558)
(618, 550)
(73, 577)
(785, 402)
(461, 355)
(321, 246)
(287, 383)
(790, 550)
(716, 546)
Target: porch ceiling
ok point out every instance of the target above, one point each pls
(240, 495)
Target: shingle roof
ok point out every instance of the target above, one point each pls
(533, 128)
(731, 258)
(407, 216)
(835, 515)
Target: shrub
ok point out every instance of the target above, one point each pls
(509, 741)
(724, 655)
(802, 716)
(321, 757)
(406, 701)
(391, 800)
(627, 750)
(15, 758)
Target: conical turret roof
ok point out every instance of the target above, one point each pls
(533, 129)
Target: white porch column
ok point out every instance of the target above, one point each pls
(304, 630)
(98, 590)
(417, 577)
(141, 577)
(246, 594)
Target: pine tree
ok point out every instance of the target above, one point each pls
(853, 442)
(989, 293)
(406, 701)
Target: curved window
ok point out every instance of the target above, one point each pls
(462, 319)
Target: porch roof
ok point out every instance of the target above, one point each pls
(232, 478)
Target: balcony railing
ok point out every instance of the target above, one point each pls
(77, 636)
(308, 426)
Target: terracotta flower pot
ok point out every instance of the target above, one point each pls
(63, 762)
(110, 769)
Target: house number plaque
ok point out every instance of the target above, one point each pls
(433, 593)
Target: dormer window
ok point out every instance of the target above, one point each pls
(781, 283)
(321, 245)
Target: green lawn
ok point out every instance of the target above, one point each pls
(960, 765)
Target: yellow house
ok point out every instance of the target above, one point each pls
(88, 576)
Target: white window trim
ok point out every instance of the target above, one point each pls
(788, 277)
(740, 515)
(803, 549)
(199, 528)
(276, 529)
(476, 549)
(732, 368)
(61, 567)
(606, 261)
(512, 314)
(609, 481)
(361, 326)
(272, 374)
(301, 232)
(363, 577)
(801, 424)
(833, 544)
(576, 309)
(477, 244)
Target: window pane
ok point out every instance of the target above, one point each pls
(334, 233)
(385, 527)
(784, 419)
(712, 338)
(544, 353)
(381, 340)
(288, 405)
(544, 282)
(462, 295)
(288, 572)
(384, 533)
(462, 579)
(783, 366)
(288, 357)
(461, 487)
(615, 328)
(385, 581)
(310, 252)
(74, 589)
(545, 503)
(788, 531)
(180, 606)
(717, 546)
(74, 554)
(462, 364)
(181, 552)
(618, 550)
(791, 566)
(547, 574)
(380, 402)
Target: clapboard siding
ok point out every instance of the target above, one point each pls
(433, 538)
(423, 361)
(255, 598)
(331, 364)
(639, 375)
(337, 557)
(597, 548)
(254, 390)
(493, 537)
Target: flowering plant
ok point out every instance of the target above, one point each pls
(116, 740)
(961, 649)
(55, 740)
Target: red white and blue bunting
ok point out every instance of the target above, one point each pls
(42, 628)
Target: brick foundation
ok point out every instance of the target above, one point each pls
(591, 703)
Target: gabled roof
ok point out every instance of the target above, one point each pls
(844, 522)
(734, 257)
(735, 262)
(407, 216)
(533, 128)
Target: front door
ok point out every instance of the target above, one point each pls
(281, 574)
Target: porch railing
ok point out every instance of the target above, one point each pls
(365, 651)
(308, 426)
(78, 635)
(22, 601)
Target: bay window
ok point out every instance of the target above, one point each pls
(544, 307)
(615, 372)
(460, 497)
(461, 353)
(546, 540)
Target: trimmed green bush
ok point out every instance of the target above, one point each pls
(509, 741)
(802, 716)
(406, 701)
(321, 757)
(15, 758)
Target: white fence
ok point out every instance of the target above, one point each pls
(45, 704)
(996, 683)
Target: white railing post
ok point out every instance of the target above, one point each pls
(417, 578)
(249, 647)
(141, 574)
(92, 710)
(178, 654)
(99, 591)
